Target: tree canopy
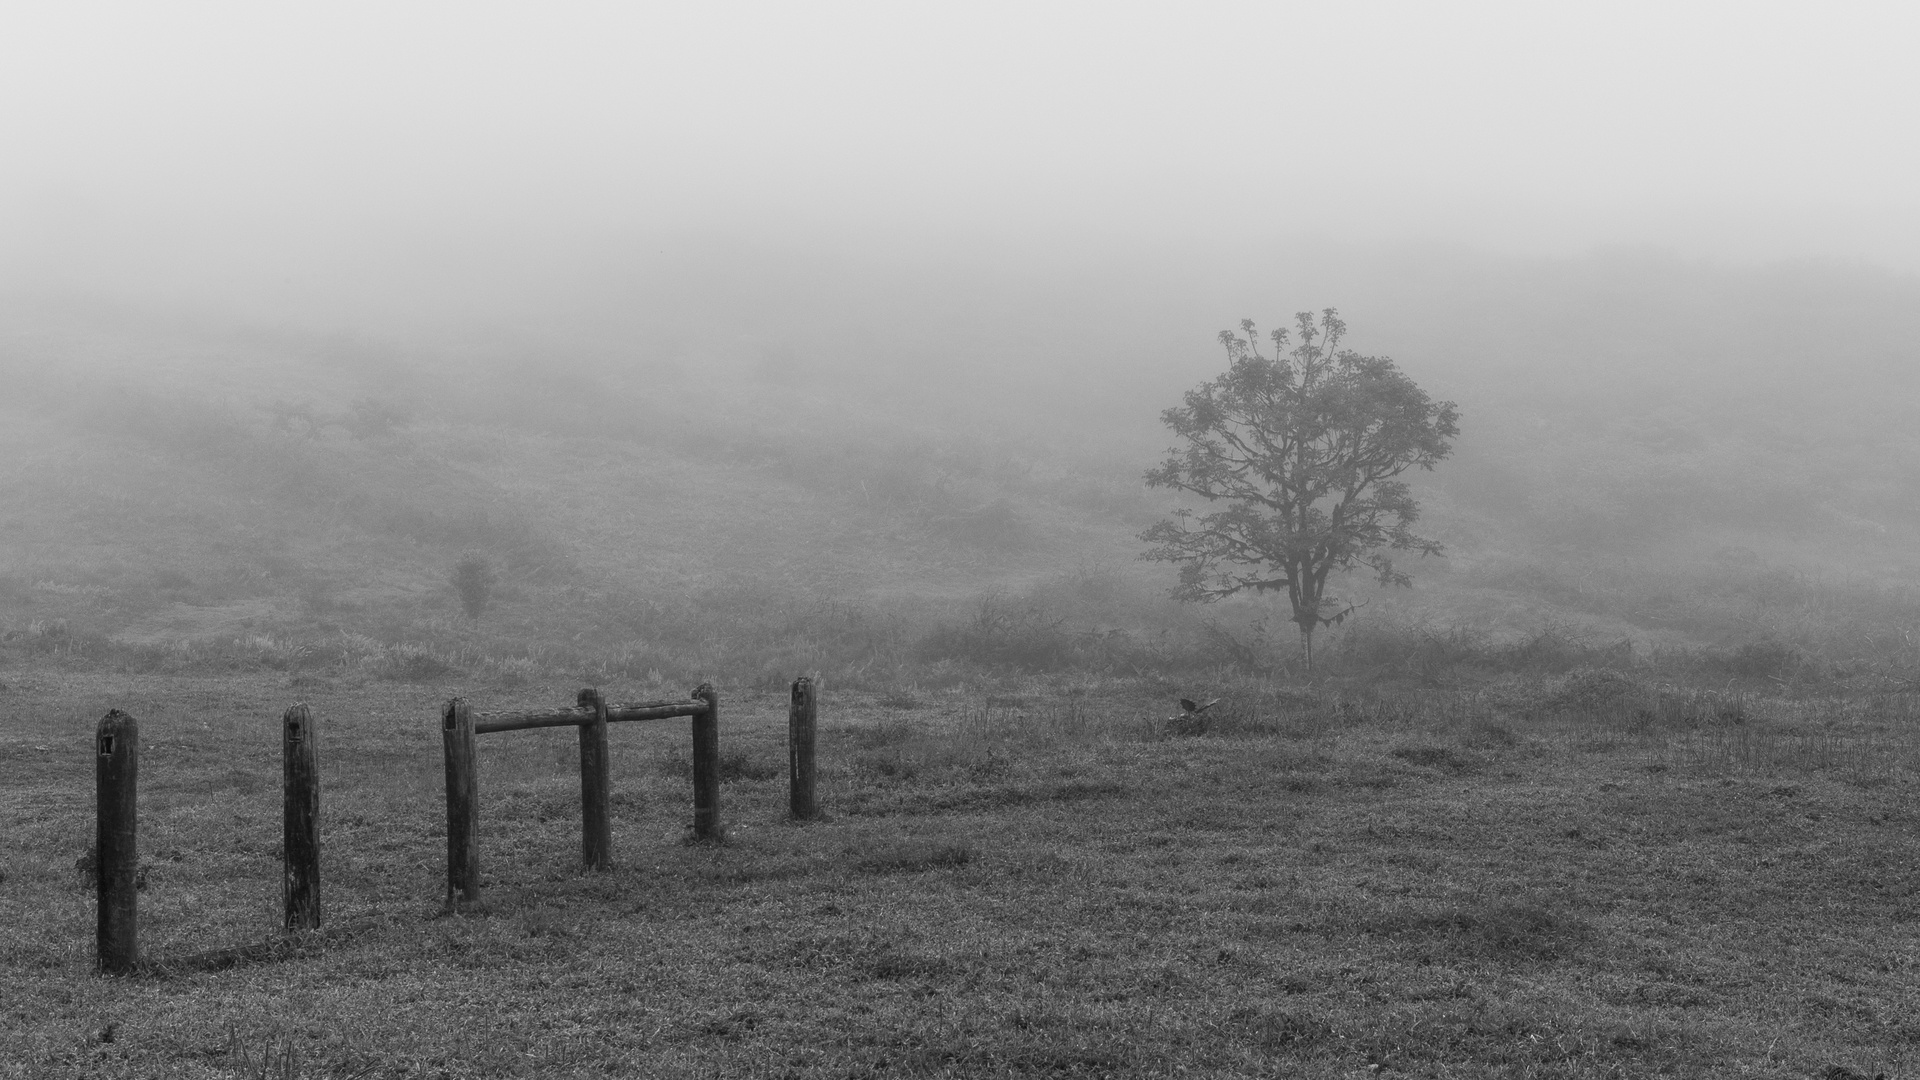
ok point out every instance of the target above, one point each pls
(1303, 447)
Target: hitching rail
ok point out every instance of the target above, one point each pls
(591, 714)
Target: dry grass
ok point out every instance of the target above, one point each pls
(1540, 878)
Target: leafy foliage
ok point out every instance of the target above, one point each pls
(1304, 447)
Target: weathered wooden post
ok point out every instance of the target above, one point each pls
(463, 825)
(596, 826)
(116, 848)
(801, 716)
(300, 818)
(706, 765)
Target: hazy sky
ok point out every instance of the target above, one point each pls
(143, 142)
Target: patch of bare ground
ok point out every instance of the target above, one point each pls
(1566, 880)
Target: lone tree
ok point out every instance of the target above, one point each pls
(1303, 448)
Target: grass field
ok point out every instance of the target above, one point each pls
(1588, 874)
(1623, 786)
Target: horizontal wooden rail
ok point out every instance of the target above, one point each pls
(655, 710)
(616, 712)
(519, 721)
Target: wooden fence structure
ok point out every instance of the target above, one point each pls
(116, 786)
(590, 714)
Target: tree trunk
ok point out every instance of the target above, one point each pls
(1306, 646)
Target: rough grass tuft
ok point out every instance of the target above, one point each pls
(1514, 929)
(1432, 757)
(916, 856)
(736, 765)
(414, 664)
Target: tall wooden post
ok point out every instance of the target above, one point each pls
(706, 765)
(300, 818)
(596, 827)
(463, 825)
(116, 848)
(801, 717)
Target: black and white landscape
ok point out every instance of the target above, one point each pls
(368, 358)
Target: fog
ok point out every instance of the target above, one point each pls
(910, 286)
(317, 161)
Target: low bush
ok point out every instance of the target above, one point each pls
(474, 579)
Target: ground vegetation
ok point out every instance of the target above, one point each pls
(1592, 874)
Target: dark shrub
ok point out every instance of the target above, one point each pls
(473, 578)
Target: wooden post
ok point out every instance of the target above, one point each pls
(596, 827)
(801, 717)
(706, 765)
(463, 825)
(300, 819)
(116, 848)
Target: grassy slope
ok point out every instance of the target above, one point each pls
(1030, 884)
(117, 472)
(163, 521)
(1655, 452)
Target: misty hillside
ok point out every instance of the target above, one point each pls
(1655, 451)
